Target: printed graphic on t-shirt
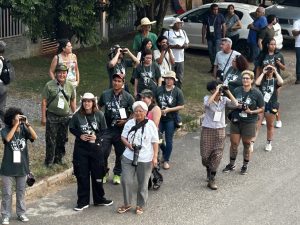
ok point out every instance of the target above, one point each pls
(18, 144)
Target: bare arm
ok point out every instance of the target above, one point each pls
(52, 67)
(77, 70)
(259, 43)
(115, 59)
(12, 131)
(224, 29)
(126, 143)
(173, 109)
(156, 112)
(73, 105)
(159, 82)
(237, 25)
(134, 59)
(155, 154)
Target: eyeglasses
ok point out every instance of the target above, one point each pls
(246, 78)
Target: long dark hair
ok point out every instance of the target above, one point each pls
(62, 44)
(241, 63)
(94, 108)
(146, 52)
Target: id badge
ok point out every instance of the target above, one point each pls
(267, 97)
(61, 103)
(211, 29)
(243, 114)
(122, 113)
(17, 156)
(217, 116)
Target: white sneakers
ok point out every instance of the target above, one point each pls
(278, 124)
(264, 122)
(268, 147)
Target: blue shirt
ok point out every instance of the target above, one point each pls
(259, 23)
(216, 21)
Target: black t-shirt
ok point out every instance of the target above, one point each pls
(269, 86)
(112, 103)
(252, 98)
(268, 59)
(119, 67)
(169, 99)
(147, 76)
(233, 79)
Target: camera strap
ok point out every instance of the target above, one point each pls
(227, 61)
(60, 89)
(91, 125)
(136, 127)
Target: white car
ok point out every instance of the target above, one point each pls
(194, 18)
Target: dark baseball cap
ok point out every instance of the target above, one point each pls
(120, 75)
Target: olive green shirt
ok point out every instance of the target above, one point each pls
(59, 105)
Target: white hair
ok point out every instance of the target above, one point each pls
(141, 104)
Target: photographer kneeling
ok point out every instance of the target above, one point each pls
(243, 120)
(141, 140)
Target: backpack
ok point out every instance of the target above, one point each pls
(8, 71)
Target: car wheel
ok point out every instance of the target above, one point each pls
(243, 48)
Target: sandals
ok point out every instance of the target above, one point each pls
(139, 210)
(124, 209)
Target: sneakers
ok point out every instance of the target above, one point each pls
(264, 122)
(229, 168)
(278, 124)
(268, 147)
(5, 220)
(105, 178)
(244, 170)
(23, 218)
(117, 179)
(104, 202)
(80, 208)
(166, 166)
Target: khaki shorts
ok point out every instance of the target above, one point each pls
(244, 129)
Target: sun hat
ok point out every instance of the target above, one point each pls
(142, 104)
(170, 74)
(174, 21)
(61, 67)
(88, 95)
(145, 21)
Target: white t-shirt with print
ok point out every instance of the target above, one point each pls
(221, 59)
(177, 38)
(146, 139)
(296, 26)
(166, 65)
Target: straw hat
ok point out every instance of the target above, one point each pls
(170, 74)
(145, 21)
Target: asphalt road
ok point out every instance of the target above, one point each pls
(268, 194)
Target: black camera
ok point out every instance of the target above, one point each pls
(223, 88)
(244, 106)
(269, 69)
(22, 119)
(136, 152)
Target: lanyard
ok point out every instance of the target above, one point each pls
(118, 102)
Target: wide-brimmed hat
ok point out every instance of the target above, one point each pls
(145, 21)
(170, 74)
(61, 67)
(88, 95)
(120, 75)
(175, 20)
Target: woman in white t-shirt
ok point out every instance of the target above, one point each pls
(140, 138)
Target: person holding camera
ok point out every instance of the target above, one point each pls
(117, 106)
(213, 128)
(170, 99)
(118, 63)
(243, 120)
(147, 74)
(15, 162)
(58, 102)
(88, 125)
(268, 82)
(164, 55)
(140, 137)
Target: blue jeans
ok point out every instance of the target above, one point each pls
(213, 48)
(167, 127)
(298, 63)
(254, 51)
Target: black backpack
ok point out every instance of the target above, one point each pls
(8, 71)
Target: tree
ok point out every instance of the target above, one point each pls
(57, 18)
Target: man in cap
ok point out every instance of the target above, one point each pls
(144, 32)
(117, 104)
(213, 29)
(178, 41)
(118, 64)
(224, 58)
(58, 102)
(3, 87)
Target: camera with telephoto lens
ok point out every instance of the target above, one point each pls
(22, 119)
(136, 152)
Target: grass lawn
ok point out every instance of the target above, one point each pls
(32, 74)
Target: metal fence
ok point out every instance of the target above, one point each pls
(125, 25)
(9, 27)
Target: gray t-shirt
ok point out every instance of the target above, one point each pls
(230, 21)
(233, 79)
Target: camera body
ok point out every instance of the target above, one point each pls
(22, 118)
(136, 152)
(244, 106)
(223, 88)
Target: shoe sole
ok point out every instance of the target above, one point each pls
(80, 209)
(107, 204)
(228, 171)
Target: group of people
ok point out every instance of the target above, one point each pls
(134, 123)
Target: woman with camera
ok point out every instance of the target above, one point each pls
(213, 128)
(140, 137)
(243, 120)
(88, 125)
(15, 162)
(268, 82)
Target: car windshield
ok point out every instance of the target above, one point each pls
(289, 2)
